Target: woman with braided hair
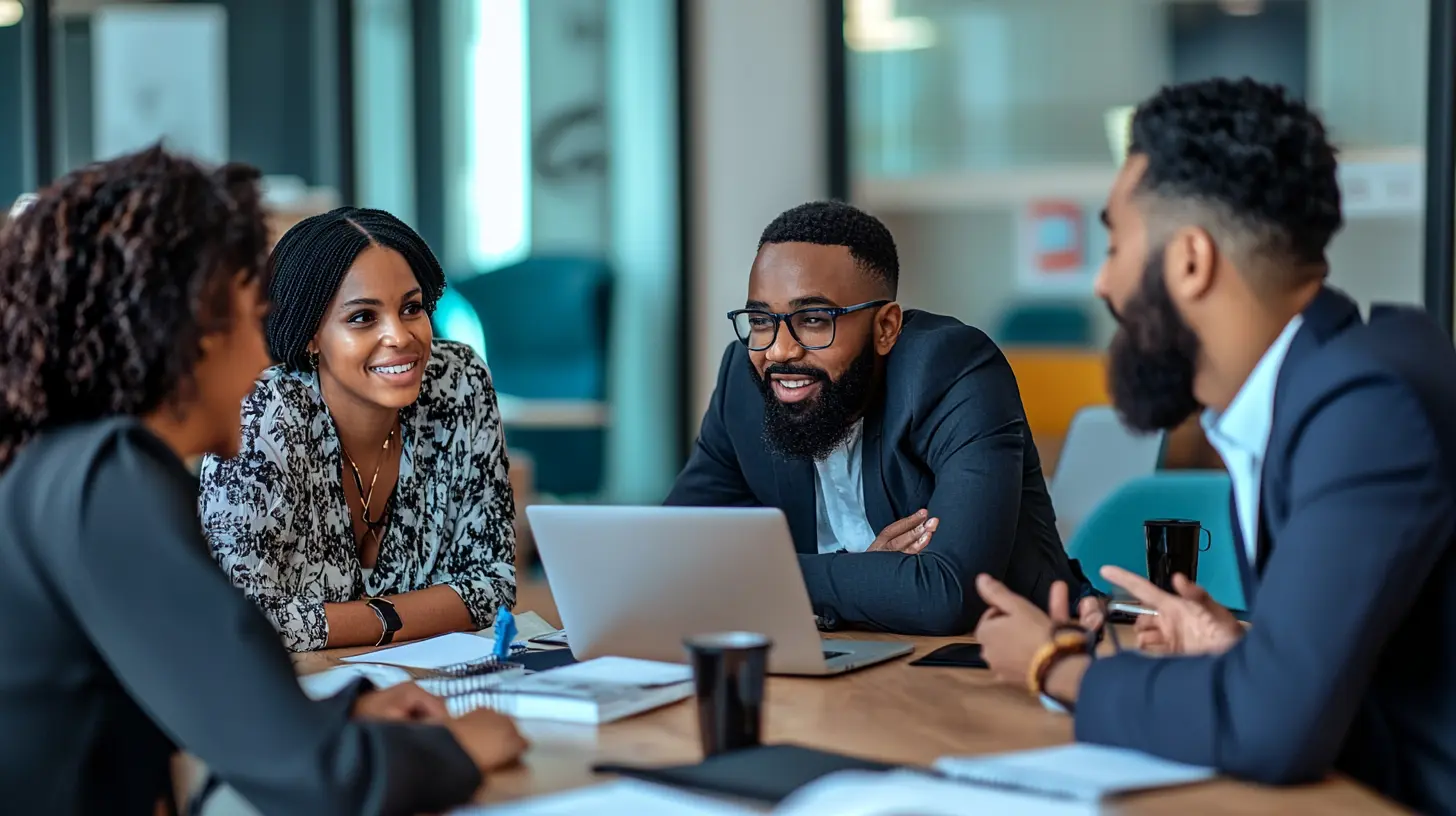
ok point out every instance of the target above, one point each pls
(132, 294)
(370, 501)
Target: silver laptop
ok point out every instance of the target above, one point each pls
(636, 581)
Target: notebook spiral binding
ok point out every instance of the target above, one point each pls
(471, 679)
(448, 687)
(489, 664)
(461, 704)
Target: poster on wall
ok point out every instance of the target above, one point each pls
(159, 73)
(1060, 246)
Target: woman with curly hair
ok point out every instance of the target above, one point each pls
(371, 499)
(132, 294)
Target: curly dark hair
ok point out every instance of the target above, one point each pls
(1250, 151)
(313, 257)
(110, 279)
(835, 223)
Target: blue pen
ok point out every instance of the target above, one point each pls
(505, 633)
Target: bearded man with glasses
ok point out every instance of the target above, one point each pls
(894, 441)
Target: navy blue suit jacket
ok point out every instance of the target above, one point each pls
(948, 434)
(1350, 663)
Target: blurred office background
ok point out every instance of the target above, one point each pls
(594, 173)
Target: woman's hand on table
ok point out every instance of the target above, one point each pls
(490, 739)
(402, 702)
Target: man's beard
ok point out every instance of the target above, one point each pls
(1152, 357)
(812, 429)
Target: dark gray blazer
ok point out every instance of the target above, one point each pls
(1351, 661)
(948, 434)
(123, 642)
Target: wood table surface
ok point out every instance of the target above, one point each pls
(891, 712)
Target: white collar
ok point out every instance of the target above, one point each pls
(1246, 423)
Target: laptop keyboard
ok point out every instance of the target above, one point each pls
(828, 655)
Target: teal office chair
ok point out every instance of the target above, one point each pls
(1045, 324)
(544, 323)
(1113, 532)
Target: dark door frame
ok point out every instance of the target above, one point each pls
(40, 107)
(1440, 271)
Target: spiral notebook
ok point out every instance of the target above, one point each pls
(1078, 771)
(597, 691)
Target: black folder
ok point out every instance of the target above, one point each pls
(766, 773)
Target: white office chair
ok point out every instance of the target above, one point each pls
(1099, 455)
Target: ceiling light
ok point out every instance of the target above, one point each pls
(1241, 8)
(871, 25)
(10, 12)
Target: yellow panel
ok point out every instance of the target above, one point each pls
(1056, 384)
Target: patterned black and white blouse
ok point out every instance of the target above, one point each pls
(279, 524)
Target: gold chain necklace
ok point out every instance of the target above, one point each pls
(371, 526)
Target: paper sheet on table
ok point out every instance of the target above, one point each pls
(331, 682)
(528, 625)
(625, 671)
(626, 796)
(431, 653)
(1080, 770)
(857, 793)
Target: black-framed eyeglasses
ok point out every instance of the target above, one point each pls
(813, 328)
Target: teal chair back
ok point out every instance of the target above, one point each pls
(1113, 532)
(544, 322)
(1045, 324)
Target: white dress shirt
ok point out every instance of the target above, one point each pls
(839, 485)
(1241, 433)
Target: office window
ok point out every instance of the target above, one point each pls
(985, 133)
(558, 171)
(225, 80)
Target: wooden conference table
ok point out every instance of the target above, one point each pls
(892, 712)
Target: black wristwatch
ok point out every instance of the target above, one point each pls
(388, 617)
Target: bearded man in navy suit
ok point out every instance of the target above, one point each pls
(1340, 440)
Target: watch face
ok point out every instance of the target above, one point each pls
(387, 611)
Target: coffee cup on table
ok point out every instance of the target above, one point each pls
(1173, 546)
(729, 671)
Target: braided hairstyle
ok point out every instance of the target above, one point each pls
(310, 263)
(110, 279)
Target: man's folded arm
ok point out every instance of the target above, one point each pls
(975, 441)
(1368, 517)
(933, 592)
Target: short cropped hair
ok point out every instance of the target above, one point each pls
(835, 223)
(1246, 155)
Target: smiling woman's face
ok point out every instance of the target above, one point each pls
(374, 339)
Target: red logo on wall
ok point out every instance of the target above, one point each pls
(1058, 237)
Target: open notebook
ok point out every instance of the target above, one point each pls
(1077, 771)
(596, 691)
